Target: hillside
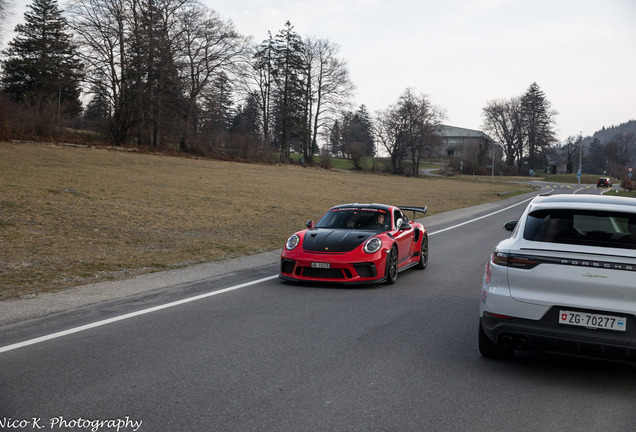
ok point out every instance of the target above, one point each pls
(607, 134)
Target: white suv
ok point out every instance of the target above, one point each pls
(564, 281)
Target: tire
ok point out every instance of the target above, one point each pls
(489, 349)
(423, 262)
(391, 266)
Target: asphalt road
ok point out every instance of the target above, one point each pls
(225, 353)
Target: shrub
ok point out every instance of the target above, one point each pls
(628, 184)
(325, 158)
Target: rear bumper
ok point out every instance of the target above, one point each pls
(546, 334)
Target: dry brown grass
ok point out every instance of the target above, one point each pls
(71, 216)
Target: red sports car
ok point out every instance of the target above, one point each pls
(356, 243)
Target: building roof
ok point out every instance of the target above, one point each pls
(453, 131)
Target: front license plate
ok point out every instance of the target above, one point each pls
(596, 321)
(320, 265)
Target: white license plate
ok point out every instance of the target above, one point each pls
(596, 321)
(320, 265)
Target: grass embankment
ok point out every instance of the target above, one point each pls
(71, 216)
(586, 179)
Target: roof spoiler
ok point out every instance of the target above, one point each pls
(414, 209)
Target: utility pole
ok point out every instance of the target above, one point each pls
(578, 174)
(492, 171)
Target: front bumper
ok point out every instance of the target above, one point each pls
(341, 268)
(546, 334)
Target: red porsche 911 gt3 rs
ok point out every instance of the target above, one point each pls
(356, 243)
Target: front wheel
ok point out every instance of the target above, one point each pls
(391, 267)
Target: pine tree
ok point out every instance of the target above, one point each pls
(335, 139)
(98, 108)
(289, 71)
(220, 104)
(263, 64)
(366, 131)
(43, 66)
(246, 118)
(538, 118)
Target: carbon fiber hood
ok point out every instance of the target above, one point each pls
(335, 240)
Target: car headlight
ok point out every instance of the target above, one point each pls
(372, 245)
(292, 242)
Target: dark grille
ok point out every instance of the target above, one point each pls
(366, 270)
(286, 266)
(322, 273)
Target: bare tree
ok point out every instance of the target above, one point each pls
(329, 89)
(503, 121)
(570, 148)
(625, 148)
(422, 119)
(209, 48)
(408, 129)
(155, 60)
(102, 26)
(388, 133)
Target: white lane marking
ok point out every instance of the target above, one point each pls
(129, 315)
(192, 299)
(481, 217)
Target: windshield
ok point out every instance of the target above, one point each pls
(356, 218)
(584, 227)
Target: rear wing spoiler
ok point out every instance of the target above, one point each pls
(414, 209)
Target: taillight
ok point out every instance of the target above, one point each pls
(500, 258)
(522, 262)
(516, 261)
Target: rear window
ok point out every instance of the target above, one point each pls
(584, 227)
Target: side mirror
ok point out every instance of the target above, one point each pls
(405, 226)
(309, 224)
(510, 225)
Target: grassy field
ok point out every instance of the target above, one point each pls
(72, 216)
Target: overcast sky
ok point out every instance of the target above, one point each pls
(464, 53)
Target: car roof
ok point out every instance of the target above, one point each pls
(373, 206)
(590, 202)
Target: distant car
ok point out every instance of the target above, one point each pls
(605, 182)
(564, 281)
(356, 244)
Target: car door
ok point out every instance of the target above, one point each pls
(403, 238)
